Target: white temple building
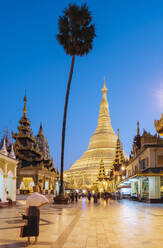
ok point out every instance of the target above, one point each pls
(8, 165)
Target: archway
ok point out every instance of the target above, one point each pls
(1, 185)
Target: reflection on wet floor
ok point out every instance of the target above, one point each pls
(110, 224)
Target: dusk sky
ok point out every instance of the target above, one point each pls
(128, 51)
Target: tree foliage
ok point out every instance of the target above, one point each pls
(76, 33)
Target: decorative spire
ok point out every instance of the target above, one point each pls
(101, 171)
(12, 153)
(118, 133)
(25, 106)
(104, 135)
(4, 149)
(138, 130)
(41, 133)
(104, 89)
(118, 157)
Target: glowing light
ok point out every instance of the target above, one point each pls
(158, 95)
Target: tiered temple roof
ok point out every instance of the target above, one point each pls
(118, 157)
(101, 172)
(43, 143)
(28, 151)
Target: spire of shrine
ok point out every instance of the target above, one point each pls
(118, 157)
(25, 106)
(138, 130)
(118, 134)
(4, 148)
(104, 135)
(101, 171)
(12, 153)
(40, 133)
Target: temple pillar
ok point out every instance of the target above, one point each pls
(5, 188)
(154, 188)
(14, 189)
(49, 190)
(44, 182)
(140, 182)
(36, 179)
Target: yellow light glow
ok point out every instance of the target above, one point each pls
(158, 95)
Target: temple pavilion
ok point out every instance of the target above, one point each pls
(84, 172)
(8, 165)
(35, 165)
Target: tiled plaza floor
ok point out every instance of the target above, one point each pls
(105, 225)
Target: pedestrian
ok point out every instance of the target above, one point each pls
(76, 196)
(72, 197)
(95, 197)
(33, 204)
(8, 198)
(89, 196)
(106, 196)
(80, 195)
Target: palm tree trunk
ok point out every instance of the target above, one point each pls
(61, 193)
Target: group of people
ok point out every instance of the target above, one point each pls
(104, 195)
(96, 196)
(74, 196)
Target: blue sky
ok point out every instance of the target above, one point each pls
(128, 51)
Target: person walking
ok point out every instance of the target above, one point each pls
(76, 196)
(89, 196)
(95, 197)
(33, 204)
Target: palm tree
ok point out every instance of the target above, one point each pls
(76, 35)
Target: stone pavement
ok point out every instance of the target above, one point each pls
(83, 225)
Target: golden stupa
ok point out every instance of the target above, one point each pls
(84, 172)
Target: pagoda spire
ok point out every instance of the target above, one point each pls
(41, 133)
(4, 149)
(104, 89)
(118, 133)
(104, 122)
(25, 148)
(138, 129)
(101, 171)
(118, 157)
(104, 127)
(25, 106)
(12, 153)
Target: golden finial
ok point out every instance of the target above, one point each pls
(25, 107)
(118, 133)
(138, 130)
(41, 133)
(104, 89)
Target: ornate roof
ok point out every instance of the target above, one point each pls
(101, 171)
(118, 157)
(42, 142)
(159, 125)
